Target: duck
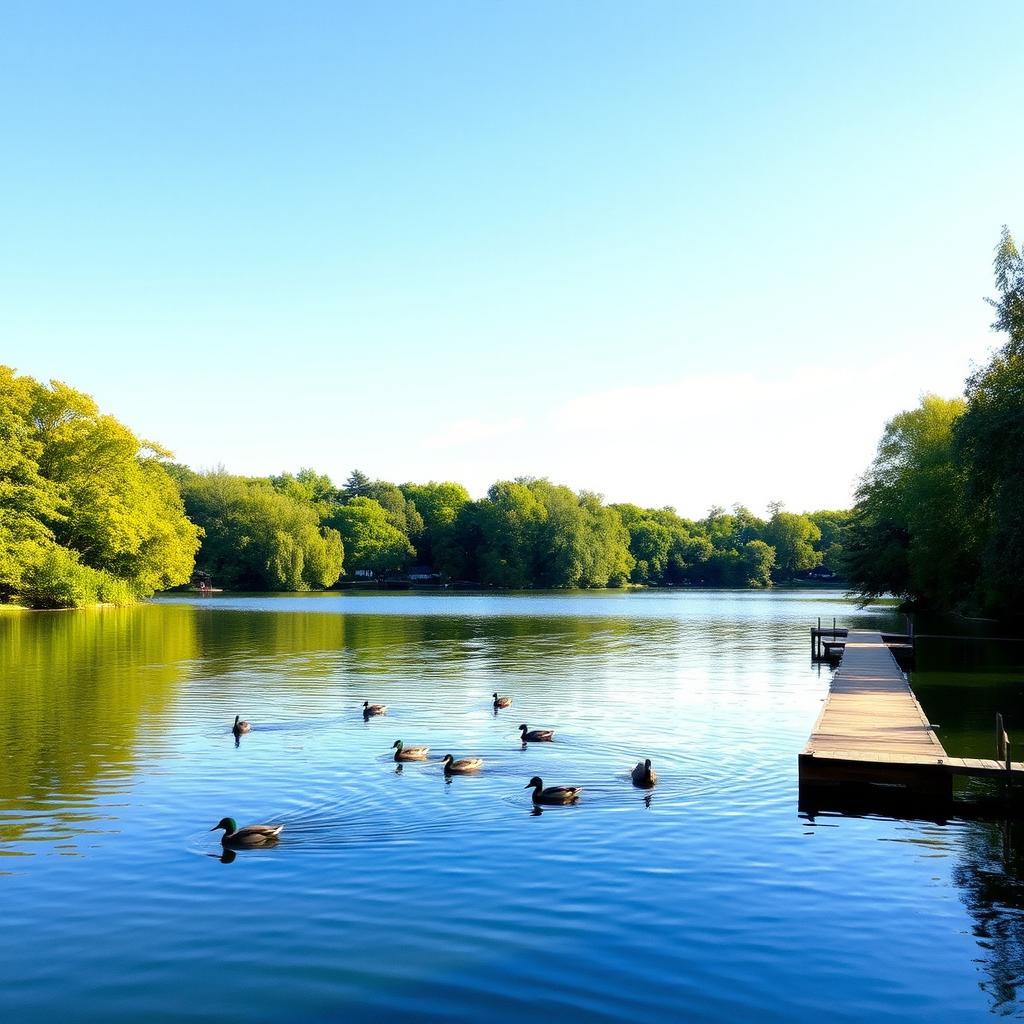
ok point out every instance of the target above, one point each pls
(644, 775)
(536, 735)
(553, 794)
(462, 767)
(404, 753)
(240, 726)
(501, 702)
(369, 710)
(248, 835)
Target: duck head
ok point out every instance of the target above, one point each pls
(523, 728)
(534, 783)
(447, 759)
(397, 745)
(228, 824)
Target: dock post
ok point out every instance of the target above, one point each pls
(1000, 737)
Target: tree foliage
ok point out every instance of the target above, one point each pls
(88, 511)
(938, 515)
(372, 543)
(260, 537)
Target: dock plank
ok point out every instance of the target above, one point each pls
(872, 728)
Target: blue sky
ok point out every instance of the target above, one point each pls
(661, 250)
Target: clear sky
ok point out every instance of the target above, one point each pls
(683, 254)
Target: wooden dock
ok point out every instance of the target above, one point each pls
(873, 731)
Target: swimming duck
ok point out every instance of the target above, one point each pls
(553, 794)
(239, 727)
(404, 753)
(502, 702)
(248, 835)
(463, 767)
(536, 735)
(369, 710)
(644, 775)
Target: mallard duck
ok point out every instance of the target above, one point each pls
(553, 794)
(502, 702)
(249, 835)
(369, 710)
(404, 753)
(536, 735)
(239, 727)
(463, 767)
(644, 775)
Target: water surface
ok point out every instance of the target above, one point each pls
(395, 892)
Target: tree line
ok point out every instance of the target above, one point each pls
(91, 513)
(297, 532)
(939, 515)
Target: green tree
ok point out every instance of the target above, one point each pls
(401, 510)
(358, 485)
(989, 445)
(87, 511)
(371, 542)
(311, 488)
(261, 538)
(911, 533)
(438, 505)
(794, 538)
(506, 526)
(834, 525)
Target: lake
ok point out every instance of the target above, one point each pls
(394, 892)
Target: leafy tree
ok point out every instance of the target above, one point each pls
(758, 560)
(401, 510)
(834, 526)
(371, 541)
(310, 488)
(438, 505)
(507, 524)
(581, 543)
(793, 537)
(989, 445)
(87, 511)
(261, 538)
(911, 534)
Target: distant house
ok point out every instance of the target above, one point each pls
(364, 574)
(821, 573)
(423, 574)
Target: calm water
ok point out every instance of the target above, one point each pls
(394, 892)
